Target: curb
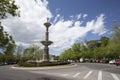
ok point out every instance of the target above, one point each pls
(44, 68)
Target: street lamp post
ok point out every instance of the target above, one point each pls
(46, 43)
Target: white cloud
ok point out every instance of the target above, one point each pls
(85, 15)
(78, 16)
(99, 27)
(29, 27)
(65, 33)
(56, 18)
(57, 10)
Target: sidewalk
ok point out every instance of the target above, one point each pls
(44, 68)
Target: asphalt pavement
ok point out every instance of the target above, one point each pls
(79, 71)
(8, 73)
(85, 71)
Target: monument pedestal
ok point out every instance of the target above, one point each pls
(46, 50)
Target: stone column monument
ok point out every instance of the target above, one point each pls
(46, 42)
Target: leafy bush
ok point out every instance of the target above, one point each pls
(42, 64)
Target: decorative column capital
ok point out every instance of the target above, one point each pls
(47, 24)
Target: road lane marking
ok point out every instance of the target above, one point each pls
(87, 75)
(76, 74)
(114, 76)
(100, 75)
(64, 75)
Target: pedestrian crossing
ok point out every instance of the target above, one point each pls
(100, 75)
(76, 74)
(84, 75)
(115, 76)
(87, 75)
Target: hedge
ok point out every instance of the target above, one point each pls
(42, 64)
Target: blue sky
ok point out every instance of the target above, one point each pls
(72, 21)
(93, 8)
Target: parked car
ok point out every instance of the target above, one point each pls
(101, 61)
(112, 62)
(117, 62)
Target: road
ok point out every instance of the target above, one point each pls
(81, 71)
(85, 71)
(7, 73)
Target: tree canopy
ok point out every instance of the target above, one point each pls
(7, 44)
(8, 7)
(104, 48)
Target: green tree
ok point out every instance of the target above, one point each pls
(2, 58)
(28, 53)
(19, 52)
(104, 48)
(34, 52)
(38, 52)
(76, 48)
(7, 45)
(55, 57)
(104, 41)
(93, 43)
(8, 7)
(115, 42)
(67, 55)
